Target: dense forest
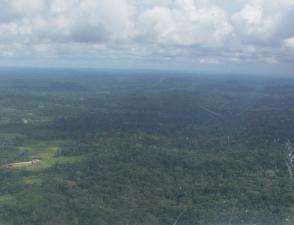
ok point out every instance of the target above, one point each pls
(85, 147)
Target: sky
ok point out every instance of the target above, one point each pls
(253, 36)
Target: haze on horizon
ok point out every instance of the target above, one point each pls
(254, 36)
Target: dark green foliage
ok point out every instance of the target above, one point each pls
(144, 149)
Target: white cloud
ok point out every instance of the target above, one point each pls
(253, 24)
(97, 21)
(71, 20)
(264, 22)
(209, 30)
(184, 24)
(208, 61)
(289, 43)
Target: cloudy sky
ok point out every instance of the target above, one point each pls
(254, 36)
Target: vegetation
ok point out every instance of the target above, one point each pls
(145, 149)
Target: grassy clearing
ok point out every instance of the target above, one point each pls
(46, 156)
(5, 199)
(21, 198)
(33, 177)
(32, 180)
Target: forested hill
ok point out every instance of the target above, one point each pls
(139, 148)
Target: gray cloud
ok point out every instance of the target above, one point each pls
(200, 31)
